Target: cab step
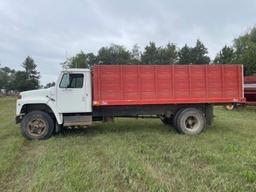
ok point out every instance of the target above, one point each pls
(78, 120)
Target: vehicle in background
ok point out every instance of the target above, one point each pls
(180, 95)
(250, 90)
(249, 93)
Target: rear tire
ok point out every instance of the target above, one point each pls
(174, 123)
(191, 121)
(37, 125)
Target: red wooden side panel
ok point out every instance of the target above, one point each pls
(166, 84)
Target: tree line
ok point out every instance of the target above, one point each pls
(152, 54)
(241, 51)
(26, 79)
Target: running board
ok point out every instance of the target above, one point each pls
(77, 120)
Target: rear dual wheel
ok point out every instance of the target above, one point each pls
(190, 121)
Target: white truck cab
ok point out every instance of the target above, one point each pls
(73, 92)
(38, 110)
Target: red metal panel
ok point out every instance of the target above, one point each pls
(214, 77)
(147, 77)
(181, 81)
(164, 81)
(130, 83)
(166, 84)
(198, 83)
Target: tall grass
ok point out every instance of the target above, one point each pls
(131, 155)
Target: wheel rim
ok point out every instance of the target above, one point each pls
(191, 123)
(37, 127)
(230, 107)
(162, 117)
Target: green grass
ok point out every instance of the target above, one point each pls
(131, 155)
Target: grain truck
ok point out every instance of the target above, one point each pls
(180, 95)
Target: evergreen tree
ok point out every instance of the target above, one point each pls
(32, 76)
(3, 79)
(6, 78)
(194, 55)
(225, 56)
(167, 55)
(199, 54)
(185, 55)
(150, 54)
(135, 55)
(21, 82)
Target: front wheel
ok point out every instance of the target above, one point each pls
(191, 121)
(37, 125)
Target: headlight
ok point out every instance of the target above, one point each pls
(19, 96)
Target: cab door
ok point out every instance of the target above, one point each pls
(74, 92)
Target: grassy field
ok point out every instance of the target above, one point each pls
(131, 155)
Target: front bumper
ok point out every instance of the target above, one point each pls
(18, 119)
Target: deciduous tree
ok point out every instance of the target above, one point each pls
(245, 51)
(114, 54)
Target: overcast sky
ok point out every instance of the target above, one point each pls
(51, 30)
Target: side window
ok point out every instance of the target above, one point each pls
(76, 80)
(72, 80)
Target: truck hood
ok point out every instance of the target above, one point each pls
(36, 93)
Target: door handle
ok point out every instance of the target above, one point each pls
(66, 89)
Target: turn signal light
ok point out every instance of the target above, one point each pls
(19, 96)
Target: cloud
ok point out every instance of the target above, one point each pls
(51, 30)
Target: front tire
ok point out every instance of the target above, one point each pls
(191, 121)
(37, 125)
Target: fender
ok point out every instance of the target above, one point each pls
(53, 107)
(39, 101)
